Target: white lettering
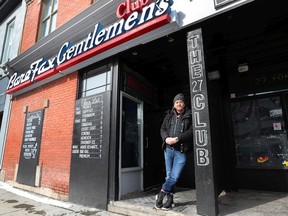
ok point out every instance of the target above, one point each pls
(202, 157)
(201, 137)
(197, 104)
(197, 120)
(141, 12)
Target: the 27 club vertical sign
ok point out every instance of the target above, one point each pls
(204, 171)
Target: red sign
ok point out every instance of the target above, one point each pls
(125, 9)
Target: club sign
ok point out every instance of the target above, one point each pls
(135, 18)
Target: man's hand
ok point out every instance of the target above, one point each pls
(171, 140)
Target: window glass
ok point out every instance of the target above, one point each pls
(45, 28)
(49, 16)
(55, 8)
(7, 54)
(96, 81)
(47, 9)
(131, 134)
(259, 133)
(53, 24)
(95, 91)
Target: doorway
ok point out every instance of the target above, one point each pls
(138, 71)
(154, 169)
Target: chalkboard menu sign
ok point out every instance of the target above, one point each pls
(88, 128)
(29, 157)
(89, 161)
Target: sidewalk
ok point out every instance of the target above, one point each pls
(241, 203)
(16, 202)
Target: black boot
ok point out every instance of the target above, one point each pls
(159, 199)
(169, 202)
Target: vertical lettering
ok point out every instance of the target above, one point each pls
(199, 101)
(201, 137)
(195, 56)
(197, 71)
(197, 121)
(202, 157)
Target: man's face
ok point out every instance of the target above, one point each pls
(179, 106)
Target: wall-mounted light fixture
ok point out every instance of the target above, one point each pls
(243, 67)
(7, 71)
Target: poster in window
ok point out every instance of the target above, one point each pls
(259, 133)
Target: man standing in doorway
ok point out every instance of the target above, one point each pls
(177, 134)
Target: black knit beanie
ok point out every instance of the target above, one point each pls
(179, 96)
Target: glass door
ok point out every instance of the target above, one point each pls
(131, 145)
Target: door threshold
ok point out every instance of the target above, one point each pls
(143, 203)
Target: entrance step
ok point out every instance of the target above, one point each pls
(129, 209)
(142, 203)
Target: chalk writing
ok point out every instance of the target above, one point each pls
(88, 128)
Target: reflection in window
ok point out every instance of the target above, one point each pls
(259, 133)
(96, 81)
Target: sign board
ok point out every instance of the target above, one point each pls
(30, 150)
(90, 151)
(135, 19)
(204, 171)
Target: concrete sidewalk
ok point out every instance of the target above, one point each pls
(241, 203)
(253, 203)
(16, 202)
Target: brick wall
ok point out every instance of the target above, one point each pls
(55, 150)
(70, 8)
(30, 30)
(66, 10)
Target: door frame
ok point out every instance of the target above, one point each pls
(132, 169)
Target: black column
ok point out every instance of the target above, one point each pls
(204, 171)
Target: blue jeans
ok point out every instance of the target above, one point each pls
(174, 162)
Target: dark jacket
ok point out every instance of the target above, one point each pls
(185, 133)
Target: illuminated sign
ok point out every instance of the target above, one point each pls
(135, 18)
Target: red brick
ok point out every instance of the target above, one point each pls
(55, 150)
(67, 9)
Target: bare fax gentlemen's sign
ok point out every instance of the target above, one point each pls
(132, 17)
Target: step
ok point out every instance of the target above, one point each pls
(129, 209)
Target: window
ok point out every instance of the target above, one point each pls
(6, 53)
(96, 81)
(131, 130)
(260, 133)
(49, 15)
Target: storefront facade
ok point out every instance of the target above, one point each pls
(89, 108)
